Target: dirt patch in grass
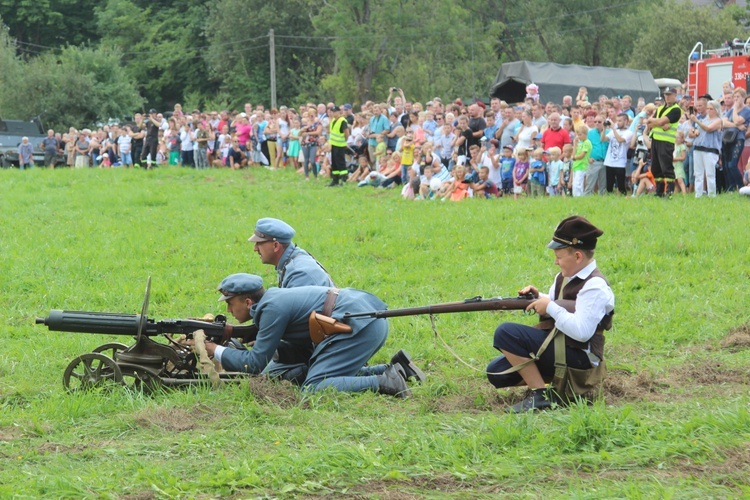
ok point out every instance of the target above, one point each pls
(623, 386)
(737, 339)
(8, 434)
(416, 488)
(276, 392)
(177, 419)
(141, 495)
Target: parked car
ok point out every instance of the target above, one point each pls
(11, 133)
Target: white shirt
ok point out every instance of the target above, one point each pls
(617, 152)
(594, 301)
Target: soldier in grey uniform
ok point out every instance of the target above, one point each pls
(294, 266)
(338, 361)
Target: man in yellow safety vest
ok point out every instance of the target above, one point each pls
(663, 127)
(338, 131)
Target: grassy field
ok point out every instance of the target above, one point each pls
(675, 422)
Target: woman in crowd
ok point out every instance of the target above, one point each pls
(526, 132)
(706, 147)
(309, 133)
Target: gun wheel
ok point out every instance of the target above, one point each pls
(89, 371)
(140, 379)
(111, 349)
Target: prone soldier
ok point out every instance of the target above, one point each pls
(340, 352)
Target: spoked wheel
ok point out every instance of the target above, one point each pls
(89, 371)
(139, 378)
(111, 349)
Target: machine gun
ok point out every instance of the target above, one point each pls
(146, 364)
(468, 305)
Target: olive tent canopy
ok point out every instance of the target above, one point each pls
(558, 80)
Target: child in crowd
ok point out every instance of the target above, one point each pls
(583, 96)
(679, 156)
(162, 154)
(566, 179)
(106, 163)
(537, 174)
(294, 146)
(380, 151)
(407, 156)
(323, 158)
(507, 165)
(532, 92)
(582, 147)
(459, 189)
(554, 169)
(484, 188)
(521, 173)
(124, 145)
(643, 178)
(374, 179)
(363, 169)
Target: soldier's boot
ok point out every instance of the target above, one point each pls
(535, 399)
(410, 369)
(334, 180)
(393, 382)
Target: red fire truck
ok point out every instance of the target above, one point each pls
(709, 69)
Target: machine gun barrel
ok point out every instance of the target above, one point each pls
(91, 322)
(127, 324)
(468, 305)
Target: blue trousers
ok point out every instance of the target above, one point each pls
(339, 360)
(523, 340)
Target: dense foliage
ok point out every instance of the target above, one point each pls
(217, 54)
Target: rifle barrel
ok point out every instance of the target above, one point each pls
(469, 305)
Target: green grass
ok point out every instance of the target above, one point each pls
(675, 423)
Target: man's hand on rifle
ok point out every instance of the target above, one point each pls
(210, 349)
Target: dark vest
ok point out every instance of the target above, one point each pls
(570, 292)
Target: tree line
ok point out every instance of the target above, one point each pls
(81, 61)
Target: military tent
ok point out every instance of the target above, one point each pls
(558, 80)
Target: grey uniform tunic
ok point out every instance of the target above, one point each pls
(282, 315)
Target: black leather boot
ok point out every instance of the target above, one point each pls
(535, 399)
(410, 369)
(393, 382)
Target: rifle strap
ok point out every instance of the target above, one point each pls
(534, 357)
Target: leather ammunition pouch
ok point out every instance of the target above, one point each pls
(322, 325)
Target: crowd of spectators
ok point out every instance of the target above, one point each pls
(437, 150)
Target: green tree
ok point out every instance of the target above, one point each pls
(665, 40)
(162, 46)
(78, 87)
(239, 54)
(40, 24)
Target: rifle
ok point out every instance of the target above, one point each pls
(469, 305)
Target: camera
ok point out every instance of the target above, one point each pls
(607, 122)
(691, 110)
(394, 89)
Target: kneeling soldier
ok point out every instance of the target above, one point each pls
(339, 350)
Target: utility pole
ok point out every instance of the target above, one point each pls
(272, 47)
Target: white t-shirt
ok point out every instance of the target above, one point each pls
(525, 135)
(617, 152)
(124, 143)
